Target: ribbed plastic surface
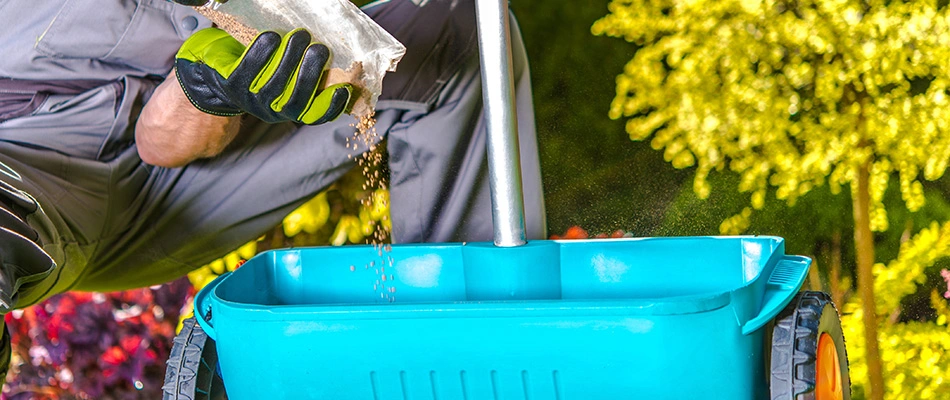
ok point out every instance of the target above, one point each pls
(656, 318)
(532, 385)
(788, 274)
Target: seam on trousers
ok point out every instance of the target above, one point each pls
(417, 171)
(99, 236)
(432, 96)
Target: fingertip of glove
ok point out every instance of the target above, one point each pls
(299, 34)
(270, 39)
(191, 3)
(339, 102)
(319, 50)
(315, 58)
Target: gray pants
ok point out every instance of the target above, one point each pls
(112, 222)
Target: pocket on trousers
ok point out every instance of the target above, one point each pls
(73, 125)
(87, 29)
(143, 34)
(13, 105)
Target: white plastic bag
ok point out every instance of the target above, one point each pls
(360, 48)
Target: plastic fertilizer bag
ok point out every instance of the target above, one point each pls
(362, 50)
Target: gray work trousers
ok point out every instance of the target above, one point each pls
(112, 222)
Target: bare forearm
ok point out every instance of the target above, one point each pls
(171, 132)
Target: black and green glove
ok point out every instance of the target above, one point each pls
(22, 260)
(274, 79)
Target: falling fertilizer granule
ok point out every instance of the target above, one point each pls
(382, 54)
(367, 140)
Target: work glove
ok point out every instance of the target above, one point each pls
(22, 260)
(274, 79)
(197, 3)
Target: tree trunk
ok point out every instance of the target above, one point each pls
(814, 278)
(864, 246)
(834, 278)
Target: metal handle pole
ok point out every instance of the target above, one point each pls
(504, 161)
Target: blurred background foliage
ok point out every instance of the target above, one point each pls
(597, 178)
(789, 102)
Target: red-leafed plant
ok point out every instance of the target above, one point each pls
(95, 346)
(576, 232)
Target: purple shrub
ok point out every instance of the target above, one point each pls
(95, 346)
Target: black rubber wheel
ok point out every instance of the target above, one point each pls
(794, 370)
(192, 369)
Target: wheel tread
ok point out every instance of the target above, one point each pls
(795, 346)
(190, 372)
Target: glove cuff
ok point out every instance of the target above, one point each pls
(203, 90)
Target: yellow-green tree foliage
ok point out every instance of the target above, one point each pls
(915, 355)
(791, 95)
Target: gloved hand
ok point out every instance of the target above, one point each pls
(195, 3)
(22, 260)
(274, 79)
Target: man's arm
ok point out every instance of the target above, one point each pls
(193, 114)
(171, 132)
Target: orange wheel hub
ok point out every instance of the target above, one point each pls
(828, 371)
